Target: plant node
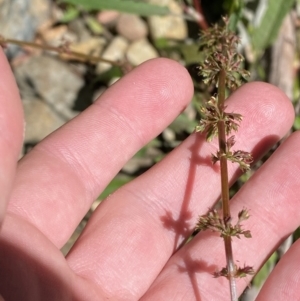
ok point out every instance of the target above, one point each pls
(240, 272)
(213, 221)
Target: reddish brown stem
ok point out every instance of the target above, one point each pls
(225, 186)
(202, 22)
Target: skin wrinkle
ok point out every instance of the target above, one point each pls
(67, 157)
(137, 234)
(93, 149)
(266, 107)
(124, 121)
(75, 162)
(35, 218)
(146, 110)
(79, 156)
(168, 83)
(152, 207)
(158, 205)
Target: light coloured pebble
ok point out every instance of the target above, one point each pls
(55, 36)
(108, 16)
(92, 46)
(41, 120)
(171, 26)
(113, 80)
(55, 81)
(115, 51)
(169, 135)
(140, 51)
(95, 205)
(131, 27)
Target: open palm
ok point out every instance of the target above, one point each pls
(131, 248)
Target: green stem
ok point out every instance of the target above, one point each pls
(225, 185)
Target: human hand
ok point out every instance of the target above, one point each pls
(129, 248)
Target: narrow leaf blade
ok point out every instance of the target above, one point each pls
(264, 34)
(128, 6)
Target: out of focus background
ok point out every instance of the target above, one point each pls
(56, 87)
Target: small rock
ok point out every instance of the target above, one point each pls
(95, 205)
(108, 16)
(134, 164)
(168, 27)
(41, 11)
(69, 244)
(40, 120)
(16, 23)
(169, 135)
(54, 81)
(92, 46)
(20, 19)
(57, 35)
(140, 51)
(113, 80)
(79, 29)
(115, 52)
(131, 27)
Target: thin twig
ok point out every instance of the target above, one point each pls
(64, 49)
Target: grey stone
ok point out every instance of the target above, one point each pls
(40, 120)
(52, 80)
(20, 19)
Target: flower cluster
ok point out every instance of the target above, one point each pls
(240, 272)
(244, 159)
(214, 222)
(219, 45)
(211, 115)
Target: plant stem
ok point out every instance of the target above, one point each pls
(66, 51)
(225, 186)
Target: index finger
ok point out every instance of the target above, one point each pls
(11, 125)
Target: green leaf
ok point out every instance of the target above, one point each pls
(191, 53)
(234, 9)
(296, 234)
(69, 15)
(297, 123)
(267, 31)
(264, 272)
(183, 123)
(128, 6)
(94, 25)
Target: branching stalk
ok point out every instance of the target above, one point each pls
(222, 68)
